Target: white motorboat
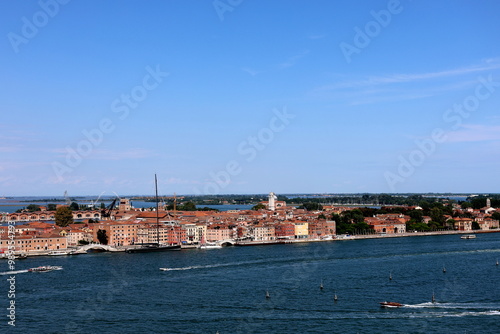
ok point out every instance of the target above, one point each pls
(58, 253)
(42, 269)
(209, 245)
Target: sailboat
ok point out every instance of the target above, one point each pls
(267, 294)
(433, 298)
(321, 285)
(155, 247)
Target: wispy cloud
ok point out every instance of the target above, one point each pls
(400, 87)
(293, 60)
(107, 154)
(491, 64)
(6, 178)
(474, 133)
(73, 180)
(176, 180)
(10, 149)
(135, 153)
(369, 95)
(18, 165)
(250, 71)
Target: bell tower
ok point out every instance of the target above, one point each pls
(271, 204)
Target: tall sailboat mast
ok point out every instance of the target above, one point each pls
(157, 214)
(152, 247)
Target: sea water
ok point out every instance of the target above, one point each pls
(224, 290)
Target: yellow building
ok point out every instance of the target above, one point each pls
(301, 230)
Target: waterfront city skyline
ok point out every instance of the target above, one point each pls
(242, 97)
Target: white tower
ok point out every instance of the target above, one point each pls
(488, 203)
(271, 205)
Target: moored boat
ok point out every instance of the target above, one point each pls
(58, 253)
(210, 245)
(468, 236)
(147, 248)
(77, 252)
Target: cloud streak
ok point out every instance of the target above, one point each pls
(250, 71)
(106, 154)
(492, 64)
(293, 60)
(474, 133)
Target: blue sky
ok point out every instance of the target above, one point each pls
(249, 96)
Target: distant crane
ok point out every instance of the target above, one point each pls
(106, 212)
(66, 198)
(175, 201)
(93, 203)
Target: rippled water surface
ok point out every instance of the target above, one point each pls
(205, 291)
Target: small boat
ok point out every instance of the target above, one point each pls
(335, 298)
(58, 253)
(42, 269)
(267, 295)
(497, 263)
(444, 269)
(390, 276)
(390, 304)
(210, 245)
(77, 252)
(321, 285)
(148, 248)
(468, 236)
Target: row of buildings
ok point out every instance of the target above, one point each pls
(128, 226)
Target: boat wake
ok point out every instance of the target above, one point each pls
(441, 310)
(220, 265)
(466, 314)
(465, 306)
(201, 267)
(13, 272)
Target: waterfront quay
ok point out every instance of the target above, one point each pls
(117, 249)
